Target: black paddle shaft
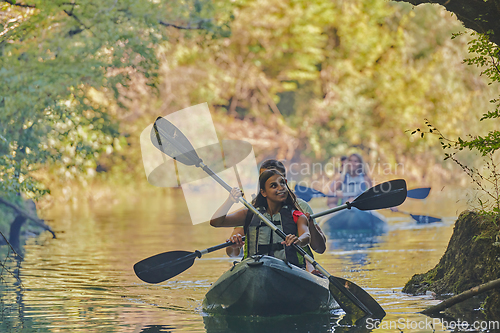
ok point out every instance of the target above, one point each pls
(164, 266)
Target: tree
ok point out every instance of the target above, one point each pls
(65, 69)
(481, 16)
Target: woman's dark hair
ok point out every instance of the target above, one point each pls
(273, 164)
(261, 201)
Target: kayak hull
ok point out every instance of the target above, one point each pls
(264, 285)
(354, 221)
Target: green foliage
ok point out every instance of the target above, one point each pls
(337, 75)
(485, 55)
(307, 80)
(65, 68)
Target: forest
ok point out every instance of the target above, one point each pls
(300, 82)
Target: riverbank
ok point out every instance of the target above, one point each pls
(472, 258)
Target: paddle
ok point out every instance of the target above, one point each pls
(307, 193)
(385, 195)
(166, 265)
(419, 193)
(422, 219)
(180, 148)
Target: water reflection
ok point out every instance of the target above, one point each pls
(354, 247)
(303, 323)
(320, 323)
(83, 281)
(157, 329)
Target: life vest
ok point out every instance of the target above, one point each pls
(260, 239)
(353, 186)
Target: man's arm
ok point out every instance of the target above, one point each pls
(235, 250)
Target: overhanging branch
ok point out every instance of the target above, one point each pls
(21, 212)
(188, 27)
(18, 4)
(478, 15)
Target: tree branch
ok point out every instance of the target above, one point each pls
(2, 264)
(188, 27)
(70, 14)
(28, 216)
(10, 245)
(18, 4)
(481, 16)
(462, 297)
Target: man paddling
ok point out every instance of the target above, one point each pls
(318, 239)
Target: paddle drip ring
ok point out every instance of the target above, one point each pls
(348, 204)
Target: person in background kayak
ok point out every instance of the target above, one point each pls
(277, 203)
(318, 239)
(338, 177)
(354, 180)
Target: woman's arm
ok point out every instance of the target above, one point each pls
(234, 250)
(236, 219)
(303, 232)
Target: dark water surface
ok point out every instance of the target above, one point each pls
(83, 281)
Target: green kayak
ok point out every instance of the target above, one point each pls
(264, 285)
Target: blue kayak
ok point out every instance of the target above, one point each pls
(354, 221)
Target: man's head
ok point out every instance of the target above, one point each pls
(273, 165)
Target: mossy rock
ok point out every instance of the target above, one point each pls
(471, 259)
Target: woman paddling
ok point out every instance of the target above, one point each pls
(277, 203)
(318, 239)
(354, 181)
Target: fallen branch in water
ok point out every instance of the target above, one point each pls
(462, 296)
(11, 247)
(21, 212)
(2, 264)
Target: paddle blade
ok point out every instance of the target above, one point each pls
(171, 141)
(352, 308)
(307, 193)
(355, 301)
(365, 298)
(419, 193)
(424, 219)
(164, 266)
(385, 195)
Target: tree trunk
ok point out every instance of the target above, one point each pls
(462, 297)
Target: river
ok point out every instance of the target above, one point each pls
(83, 280)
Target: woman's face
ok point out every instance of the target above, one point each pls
(354, 165)
(275, 189)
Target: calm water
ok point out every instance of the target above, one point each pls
(83, 281)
